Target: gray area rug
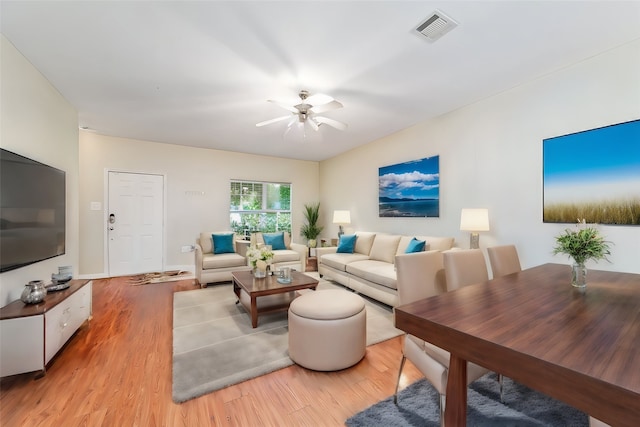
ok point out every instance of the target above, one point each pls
(523, 407)
(214, 345)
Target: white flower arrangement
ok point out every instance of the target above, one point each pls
(262, 253)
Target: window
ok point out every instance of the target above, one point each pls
(260, 206)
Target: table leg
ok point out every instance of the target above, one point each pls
(236, 290)
(254, 312)
(455, 411)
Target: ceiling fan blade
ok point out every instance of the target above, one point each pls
(285, 106)
(268, 122)
(333, 123)
(319, 99)
(333, 105)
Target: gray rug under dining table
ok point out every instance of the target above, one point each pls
(523, 407)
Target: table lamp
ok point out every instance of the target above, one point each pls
(474, 220)
(341, 218)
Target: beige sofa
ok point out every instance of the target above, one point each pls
(370, 269)
(210, 267)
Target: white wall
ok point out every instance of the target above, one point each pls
(187, 170)
(491, 156)
(37, 122)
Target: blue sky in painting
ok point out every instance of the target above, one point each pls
(598, 164)
(419, 179)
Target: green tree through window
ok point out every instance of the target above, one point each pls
(260, 206)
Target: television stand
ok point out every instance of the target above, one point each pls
(31, 334)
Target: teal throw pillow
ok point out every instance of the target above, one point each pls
(276, 240)
(223, 243)
(415, 245)
(347, 244)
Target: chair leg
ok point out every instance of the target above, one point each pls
(395, 395)
(443, 402)
(501, 381)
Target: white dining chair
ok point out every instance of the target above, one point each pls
(421, 275)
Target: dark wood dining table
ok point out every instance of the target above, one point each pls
(582, 348)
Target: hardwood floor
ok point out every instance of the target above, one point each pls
(116, 371)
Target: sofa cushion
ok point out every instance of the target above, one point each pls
(210, 261)
(380, 272)
(364, 242)
(415, 245)
(438, 243)
(258, 239)
(276, 240)
(384, 247)
(285, 255)
(340, 261)
(206, 240)
(347, 244)
(432, 243)
(223, 243)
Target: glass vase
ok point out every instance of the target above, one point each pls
(259, 274)
(579, 275)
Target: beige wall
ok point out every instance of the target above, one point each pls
(187, 171)
(491, 156)
(37, 122)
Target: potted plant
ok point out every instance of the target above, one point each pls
(311, 230)
(582, 244)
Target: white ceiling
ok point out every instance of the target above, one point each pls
(200, 73)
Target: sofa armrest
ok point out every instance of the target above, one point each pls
(242, 246)
(198, 255)
(324, 251)
(303, 251)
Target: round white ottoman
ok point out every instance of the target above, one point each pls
(327, 330)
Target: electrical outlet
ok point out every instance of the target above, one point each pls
(188, 248)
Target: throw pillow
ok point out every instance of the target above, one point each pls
(415, 245)
(347, 244)
(223, 243)
(276, 240)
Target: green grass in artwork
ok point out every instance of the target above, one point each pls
(624, 212)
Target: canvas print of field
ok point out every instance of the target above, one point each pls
(410, 189)
(593, 175)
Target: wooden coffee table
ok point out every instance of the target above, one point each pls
(274, 296)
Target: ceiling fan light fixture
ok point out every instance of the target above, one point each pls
(306, 122)
(301, 131)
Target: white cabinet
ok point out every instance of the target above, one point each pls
(64, 319)
(22, 346)
(30, 335)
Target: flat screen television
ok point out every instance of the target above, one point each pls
(32, 211)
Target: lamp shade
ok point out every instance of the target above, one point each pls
(341, 217)
(474, 220)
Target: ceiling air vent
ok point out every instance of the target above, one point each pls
(437, 25)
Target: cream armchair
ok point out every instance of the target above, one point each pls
(214, 267)
(422, 275)
(292, 255)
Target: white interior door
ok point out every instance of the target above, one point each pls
(135, 223)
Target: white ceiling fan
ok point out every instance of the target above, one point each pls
(307, 111)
